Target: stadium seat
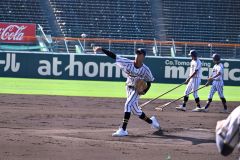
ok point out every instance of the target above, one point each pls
(189, 21)
(198, 21)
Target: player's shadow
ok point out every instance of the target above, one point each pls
(195, 141)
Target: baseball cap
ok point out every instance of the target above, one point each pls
(193, 53)
(216, 57)
(141, 51)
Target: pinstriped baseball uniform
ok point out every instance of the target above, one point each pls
(217, 84)
(133, 74)
(229, 133)
(195, 81)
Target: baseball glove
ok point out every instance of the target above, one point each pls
(140, 86)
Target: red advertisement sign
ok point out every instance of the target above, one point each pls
(17, 32)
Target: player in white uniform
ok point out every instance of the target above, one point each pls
(193, 82)
(228, 133)
(135, 69)
(217, 83)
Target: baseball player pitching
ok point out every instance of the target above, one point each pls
(217, 83)
(193, 82)
(228, 133)
(136, 71)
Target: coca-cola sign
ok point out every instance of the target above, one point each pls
(17, 32)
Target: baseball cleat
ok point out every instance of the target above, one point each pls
(120, 133)
(224, 111)
(197, 109)
(155, 123)
(181, 108)
(205, 109)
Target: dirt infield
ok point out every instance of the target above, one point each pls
(79, 128)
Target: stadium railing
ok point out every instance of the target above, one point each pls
(153, 47)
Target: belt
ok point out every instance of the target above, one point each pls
(131, 87)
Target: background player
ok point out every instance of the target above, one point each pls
(192, 82)
(228, 133)
(217, 83)
(135, 69)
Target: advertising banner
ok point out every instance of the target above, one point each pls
(17, 32)
(95, 67)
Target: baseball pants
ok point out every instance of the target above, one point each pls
(131, 104)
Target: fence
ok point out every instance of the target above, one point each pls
(127, 47)
(154, 47)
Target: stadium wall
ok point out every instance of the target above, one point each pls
(100, 67)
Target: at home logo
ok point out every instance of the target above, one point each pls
(78, 68)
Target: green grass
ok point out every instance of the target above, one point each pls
(99, 89)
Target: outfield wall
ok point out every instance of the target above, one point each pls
(100, 67)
